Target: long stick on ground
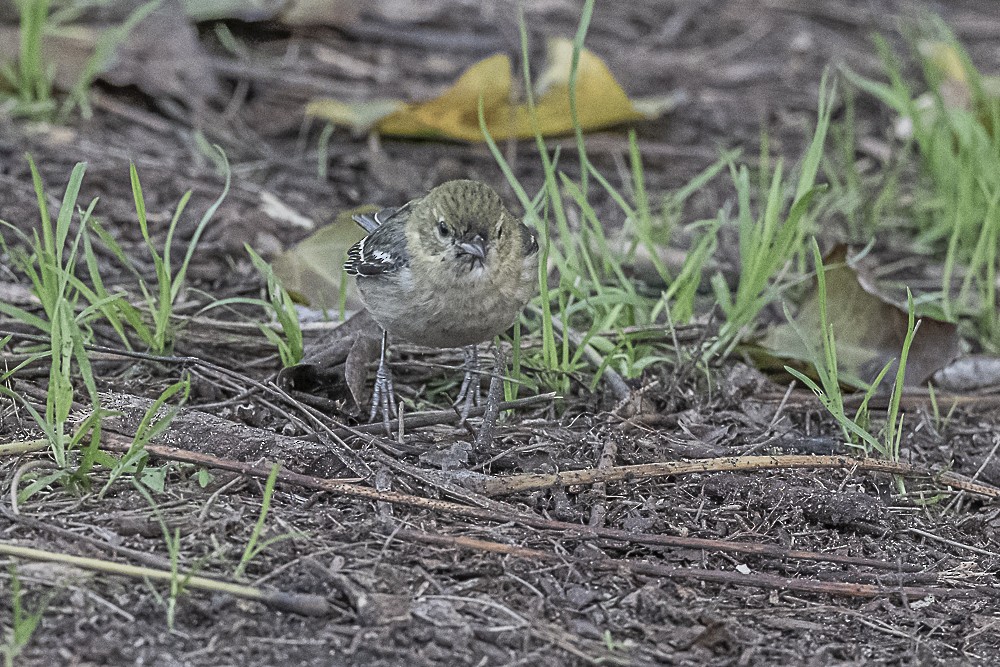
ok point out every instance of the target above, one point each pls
(496, 486)
(299, 603)
(114, 442)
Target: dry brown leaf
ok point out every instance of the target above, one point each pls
(363, 352)
(869, 330)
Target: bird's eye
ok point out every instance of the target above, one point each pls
(443, 228)
(499, 233)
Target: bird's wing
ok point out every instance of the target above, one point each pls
(529, 243)
(370, 223)
(383, 251)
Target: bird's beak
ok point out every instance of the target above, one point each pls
(476, 247)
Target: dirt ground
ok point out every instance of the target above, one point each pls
(797, 567)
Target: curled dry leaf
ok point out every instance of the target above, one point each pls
(454, 114)
(868, 328)
(363, 352)
(337, 363)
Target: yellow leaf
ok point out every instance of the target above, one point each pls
(943, 57)
(360, 116)
(454, 114)
(600, 101)
(956, 88)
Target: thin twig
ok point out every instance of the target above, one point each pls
(958, 545)
(754, 580)
(114, 442)
(148, 559)
(979, 471)
(599, 510)
(305, 604)
(534, 482)
(493, 395)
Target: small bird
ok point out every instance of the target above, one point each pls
(453, 268)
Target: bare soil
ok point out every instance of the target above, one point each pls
(726, 567)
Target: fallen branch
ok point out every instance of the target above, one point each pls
(305, 604)
(119, 444)
(497, 486)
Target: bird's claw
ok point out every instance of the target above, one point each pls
(493, 397)
(383, 398)
(384, 394)
(471, 391)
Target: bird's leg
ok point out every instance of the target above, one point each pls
(384, 396)
(471, 390)
(493, 397)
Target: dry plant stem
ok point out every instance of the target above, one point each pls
(444, 482)
(989, 457)
(15, 480)
(116, 443)
(533, 482)
(615, 382)
(733, 578)
(958, 545)
(911, 399)
(607, 460)
(148, 559)
(298, 603)
(23, 447)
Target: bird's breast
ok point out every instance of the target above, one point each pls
(446, 310)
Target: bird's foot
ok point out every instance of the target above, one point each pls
(493, 398)
(384, 395)
(471, 391)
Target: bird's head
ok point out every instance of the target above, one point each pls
(466, 224)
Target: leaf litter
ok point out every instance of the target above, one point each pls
(661, 574)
